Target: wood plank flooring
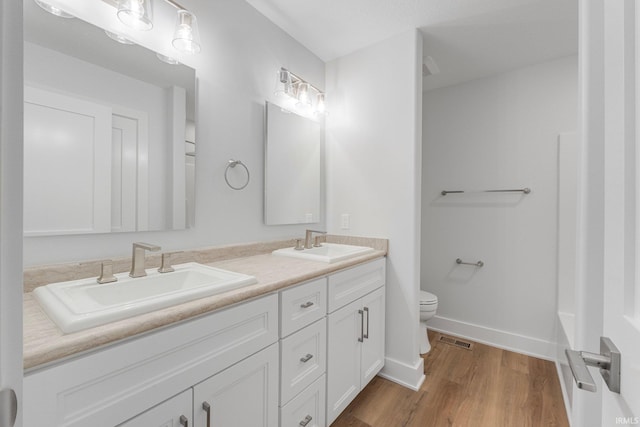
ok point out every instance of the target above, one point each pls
(481, 387)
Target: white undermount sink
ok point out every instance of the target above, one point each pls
(328, 252)
(82, 304)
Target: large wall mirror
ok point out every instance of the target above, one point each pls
(109, 132)
(292, 168)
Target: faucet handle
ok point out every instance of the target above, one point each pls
(299, 246)
(106, 272)
(317, 242)
(165, 265)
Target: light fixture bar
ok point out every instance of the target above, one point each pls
(297, 79)
(175, 4)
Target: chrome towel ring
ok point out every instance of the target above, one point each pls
(232, 164)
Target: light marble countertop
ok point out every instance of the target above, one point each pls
(44, 343)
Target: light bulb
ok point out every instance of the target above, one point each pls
(321, 107)
(304, 100)
(136, 14)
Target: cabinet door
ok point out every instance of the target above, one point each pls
(244, 395)
(373, 343)
(175, 412)
(344, 329)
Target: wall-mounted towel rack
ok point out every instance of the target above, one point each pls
(475, 264)
(517, 190)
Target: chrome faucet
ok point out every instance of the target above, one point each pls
(307, 237)
(137, 259)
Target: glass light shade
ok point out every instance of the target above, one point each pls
(304, 98)
(136, 14)
(117, 37)
(284, 88)
(321, 107)
(186, 38)
(53, 10)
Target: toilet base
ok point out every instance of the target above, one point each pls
(425, 346)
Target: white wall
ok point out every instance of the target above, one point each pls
(241, 51)
(495, 133)
(373, 174)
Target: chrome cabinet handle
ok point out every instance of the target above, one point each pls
(306, 420)
(361, 337)
(207, 408)
(184, 421)
(366, 309)
(306, 304)
(306, 358)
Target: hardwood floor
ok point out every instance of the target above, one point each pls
(484, 386)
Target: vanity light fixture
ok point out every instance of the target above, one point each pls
(53, 10)
(136, 14)
(186, 37)
(302, 93)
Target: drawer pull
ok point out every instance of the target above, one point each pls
(207, 408)
(361, 337)
(306, 420)
(306, 358)
(306, 304)
(366, 309)
(184, 421)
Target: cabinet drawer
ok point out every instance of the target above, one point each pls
(307, 408)
(302, 305)
(303, 359)
(349, 285)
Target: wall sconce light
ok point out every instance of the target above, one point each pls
(186, 37)
(136, 14)
(53, 10)
(292, 87)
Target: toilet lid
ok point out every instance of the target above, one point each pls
(427, 298)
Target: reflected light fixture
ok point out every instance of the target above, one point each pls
(136, 14)
(117, 37)
(167, 59)
(295, 89)
(186, 37)
(53, 10)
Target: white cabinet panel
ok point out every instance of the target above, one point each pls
(302, 305)
(343, 358)
(351, 284)
(175, 412)
(303, 359)
(373, 342)
(307, 408)
(244, 395)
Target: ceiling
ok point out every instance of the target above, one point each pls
(467, 39)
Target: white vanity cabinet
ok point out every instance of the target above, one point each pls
(355, 330)
(110, 386)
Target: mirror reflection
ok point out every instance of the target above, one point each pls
(292, 168)
(109, 132)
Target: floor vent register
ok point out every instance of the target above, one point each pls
(457, 342)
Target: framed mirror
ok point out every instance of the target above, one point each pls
(109, 132)
(292, 167)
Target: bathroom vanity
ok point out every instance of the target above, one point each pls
(293, 349)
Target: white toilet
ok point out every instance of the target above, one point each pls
(428, 307)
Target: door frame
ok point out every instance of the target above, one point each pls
(11, 155)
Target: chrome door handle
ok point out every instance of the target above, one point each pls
(207, 408)
(184, 421)
(608, 361)
(361, 338)
(306, 420)
(366, 309)
(8, 407)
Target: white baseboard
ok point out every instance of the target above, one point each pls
(401, 373)
(502, 339)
